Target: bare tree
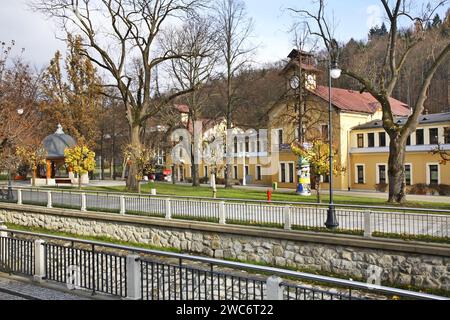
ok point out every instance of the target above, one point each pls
(118, 36)
(381, 87)
(234, 29)
(19, 116)
(198, 37)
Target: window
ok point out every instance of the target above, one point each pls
(287, 172)
(258, 173)
(235, 172)
(360, 140)
(235, 145)
(247, 144)
(206, 171)
(419, 137)
(326, 179)
(382, 139)
(434, 136)
(433, 171)
(382, 174)
(280, 136)
(291, 173)
(247, 172)
(325, 132)
(371, 140)
(283, 172)
(408, 141)
(360, 174)
(408, 176)
(447, 135)
(258, 144)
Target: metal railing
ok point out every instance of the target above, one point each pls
(136, 273)
(17, 256)
(367, 220)
(89, 268)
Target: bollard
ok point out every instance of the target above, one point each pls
(49, 199)
(287, 218)
(39, 260)
(83, 202)
(367, 224)
(133, 278)
(168, 209)
(222, 213)
(3, 233)
(274, 290)
(19, 197)
(122, 205)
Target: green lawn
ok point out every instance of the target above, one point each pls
(182, 190)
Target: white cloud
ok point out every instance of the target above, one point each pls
(374, 16)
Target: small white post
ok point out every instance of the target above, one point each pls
(287, 218)
(49, 199)
(122, 205)
(19, 197)
(39, 260)
(222, 213)
(133, 278)
(3, 233)
(83, 202)
(367, 224)
(168, 209)
(274, 290)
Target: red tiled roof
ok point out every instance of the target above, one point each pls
(351, 100)
(182, 108)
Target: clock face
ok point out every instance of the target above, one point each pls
(295, 82)
(311, 80)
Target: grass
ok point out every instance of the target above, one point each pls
(406, 237)
(325, 230)
(181, 190)
(263, 264)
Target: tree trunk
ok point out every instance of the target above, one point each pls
(396, 172)
(319, 199)
(213, 185)
(195, 175)
(132, 181)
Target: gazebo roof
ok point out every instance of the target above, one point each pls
(56, 143)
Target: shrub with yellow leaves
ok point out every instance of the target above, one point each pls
(80, 159)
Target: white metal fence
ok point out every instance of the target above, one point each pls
(287, 215)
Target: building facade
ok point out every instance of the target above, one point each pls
(362, 146)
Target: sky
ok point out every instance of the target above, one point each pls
(272, 20)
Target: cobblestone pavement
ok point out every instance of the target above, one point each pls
(11, 289)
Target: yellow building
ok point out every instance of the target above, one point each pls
(349, 109)
(358, 137)
(369, 152)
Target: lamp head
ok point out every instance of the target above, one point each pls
(20, 111)
(335, 72)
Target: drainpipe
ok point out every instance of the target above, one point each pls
(349, 170)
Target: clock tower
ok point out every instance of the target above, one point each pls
(301, 70)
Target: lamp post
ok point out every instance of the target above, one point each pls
(333, 73)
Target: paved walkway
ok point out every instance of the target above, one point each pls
(13, 289)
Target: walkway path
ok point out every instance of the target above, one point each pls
(13, 289)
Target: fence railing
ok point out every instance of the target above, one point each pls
(366, 221)
(141, 274)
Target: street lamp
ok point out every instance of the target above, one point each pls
(333, 73)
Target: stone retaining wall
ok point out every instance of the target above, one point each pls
(399, 268)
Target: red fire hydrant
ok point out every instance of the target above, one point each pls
(269, 195)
